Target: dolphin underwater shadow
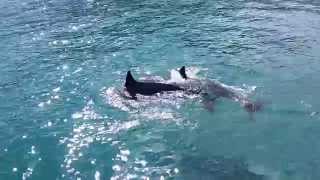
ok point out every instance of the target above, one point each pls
(209, 90)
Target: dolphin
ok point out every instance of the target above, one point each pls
(212, 90)
(134, 87)
(209, 90)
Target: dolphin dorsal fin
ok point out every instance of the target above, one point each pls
(182, 72)
(129, 79)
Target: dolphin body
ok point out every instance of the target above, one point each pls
(208, 89)
(212, 90)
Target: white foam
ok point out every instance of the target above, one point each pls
(64, 42)
(33, 151)
(117, 99)
(87, 112)
(114, 98)
(41, 104)
(56, 89)
(125, 152)
(77, 115)
(176, 170)
(175, 77)
(97, 175)
(65, 67)
(157, 114)
(116, 168)
(191, 72)
(116, 127)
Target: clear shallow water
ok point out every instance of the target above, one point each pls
(58, 58)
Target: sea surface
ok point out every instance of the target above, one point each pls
(63, 64)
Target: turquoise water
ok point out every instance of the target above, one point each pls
(59, 59)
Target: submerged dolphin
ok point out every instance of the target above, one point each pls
(212, 90)
(146, 88)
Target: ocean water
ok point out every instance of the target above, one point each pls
(63, 62)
